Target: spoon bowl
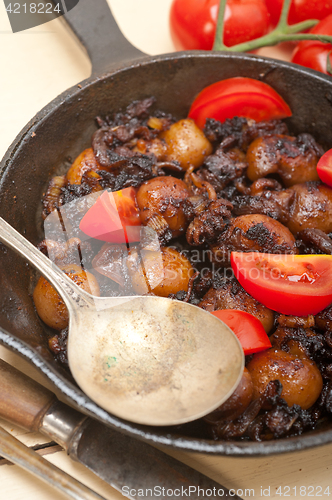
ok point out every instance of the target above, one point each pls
(147, 359)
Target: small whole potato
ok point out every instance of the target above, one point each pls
(50, 306)
(300, 378)
(237, 403)
(160, 272)
(186, 143)
(163, 196)
(281, 154)
(310, 207)
(253, 232)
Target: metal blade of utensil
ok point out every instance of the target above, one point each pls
(26, 458)
(135, 468)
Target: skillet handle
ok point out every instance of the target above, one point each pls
(94, 25)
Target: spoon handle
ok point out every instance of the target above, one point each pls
(68, 290)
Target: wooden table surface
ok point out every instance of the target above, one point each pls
(35, 66)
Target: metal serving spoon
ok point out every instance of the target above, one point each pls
(146, 359)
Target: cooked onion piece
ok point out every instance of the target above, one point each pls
(51, 199)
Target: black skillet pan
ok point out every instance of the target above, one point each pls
(64, 128)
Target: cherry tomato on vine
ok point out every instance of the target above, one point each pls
(238, 96)
(298, 285)
(193, 22)
(248, 329)
(313, 53)
(114, 217)
(324, 168)
(300, 10)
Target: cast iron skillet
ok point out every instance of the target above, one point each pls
(64, 128)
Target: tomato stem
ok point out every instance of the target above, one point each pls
(274, 38)
(219, 37)
(304, 25)
(282, 24)
(282, 33)
(328, 63)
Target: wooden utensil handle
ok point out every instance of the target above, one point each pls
(22, 400)
(24, 457)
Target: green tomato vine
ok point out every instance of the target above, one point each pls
(283, 32)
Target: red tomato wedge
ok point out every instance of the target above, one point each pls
(290, 284)
(248, 329)
(238, 96)
(324, 168)
(113, 218)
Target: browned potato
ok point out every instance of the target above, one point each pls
(186, 144)
(310, 207)
(301, 379)
(49, 305)
(237, 403)
(84, 162)
(253, 232)
(161, 273)
(163, 196)
(281, 154)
